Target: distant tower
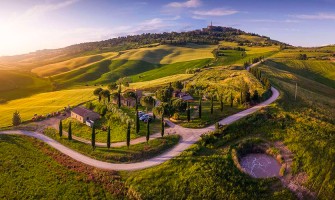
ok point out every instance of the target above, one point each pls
(211, 23)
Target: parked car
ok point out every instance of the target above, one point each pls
(144, 117)
(149, 119)
(140, 113)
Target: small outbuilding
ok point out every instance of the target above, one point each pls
(83, 114)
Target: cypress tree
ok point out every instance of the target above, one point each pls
(241, 98)
(128, 135)
(200, 108)
(93, 137)
(119, 96)
(188, 112)
(162, 126)
(231, 100)
(70, 132)
(212, 105)
(109, 137)
(221, 103)
(148, 131)
(60, 128)
(16, 118)
(137, 122)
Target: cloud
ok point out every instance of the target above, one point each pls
(186, 4)
(273, 21)
(215, 12)
(318, 16)
(47, 7)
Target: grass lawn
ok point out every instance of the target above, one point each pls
(28, 171)
(43, 104)
(207, 118)
(118, 129)
(135, 153)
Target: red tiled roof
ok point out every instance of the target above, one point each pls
(81, 111)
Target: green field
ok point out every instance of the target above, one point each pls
(27, 172)
(43, 104)
(17, 84)
(72, 64)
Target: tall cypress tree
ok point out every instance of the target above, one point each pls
(162, 125)
(148, 131)
(109, 137)
(70, 132)
(221, 103)
(128, 135)
(200, 107)
(188, 112)
(93, 137)
(231, 100)
(60, 128)
(119, 96)
(137, 122)
(212, 105)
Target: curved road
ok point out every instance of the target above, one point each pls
(188, 137)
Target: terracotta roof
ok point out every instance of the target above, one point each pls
(84, 111)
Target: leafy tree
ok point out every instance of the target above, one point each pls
(106, 95)
(93, 137)
(16, 118)
(200, 107)
(178, 85)
(148, 131)
(128, 135)
(164, 94)
(70, 131)
(188, 113)
(112, 86)
(179, 105)
(97, 92)
(109, 137)
(147, 101)
(137, 122)
(60, 128)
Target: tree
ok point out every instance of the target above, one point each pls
(179, 105)
(221, 103)
(69, 132)
(112, 86)
(137, 122)
(60, 128)
(164, 94)
(188, 113)
(162, 125)
(148, 131)
(93, 137)
(119, 97)
(16, 118)
(97, 92)
(255, 96)
(106, 95)
(231, 100)
(147, 101)
(200, 107)
(212, 104)
(109, 137)
(178, 85)
(128, 135)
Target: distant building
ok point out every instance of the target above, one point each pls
(83, 114)
(182, 95)
(127, 101)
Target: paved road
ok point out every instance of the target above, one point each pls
(188, 137)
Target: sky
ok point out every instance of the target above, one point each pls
(29, 25)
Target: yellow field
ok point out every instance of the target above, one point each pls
(72, 64)
(159, 82)
(165, 54)
(252, 38)
(43, 103)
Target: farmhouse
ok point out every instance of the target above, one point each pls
(128, 101)
(83, 114)
(182, 95)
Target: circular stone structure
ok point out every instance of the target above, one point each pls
(260, 165)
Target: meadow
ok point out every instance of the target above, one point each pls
(43, 104)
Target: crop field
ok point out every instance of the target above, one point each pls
(43, 103)
(72, 64)
(165, 54)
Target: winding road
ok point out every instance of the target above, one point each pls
(188, 138)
